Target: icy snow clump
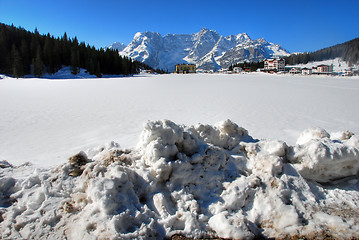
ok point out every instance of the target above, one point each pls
(197, 181)
(324, 158)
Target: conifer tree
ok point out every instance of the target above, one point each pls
(90, 66)
(49, 55)
(57, 55)
(64, 38)
(98, 70)
(3, 50)
(35, 44)
(25, 54)
(74, 61)
(17, 65)
(38, 64)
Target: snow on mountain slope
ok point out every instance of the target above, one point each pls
(118, 46)
(144, 47)
(207, 49)
(223, 45)
(205, 40)
(247, 50)
(338, 64)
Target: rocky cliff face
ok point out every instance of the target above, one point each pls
(207, 49)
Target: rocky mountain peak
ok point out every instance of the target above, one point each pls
(206, 48)
(117, 46)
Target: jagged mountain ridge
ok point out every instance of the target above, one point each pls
(118, 46)
(207, 49)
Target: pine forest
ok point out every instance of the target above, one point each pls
(23, 52)
(348, 51)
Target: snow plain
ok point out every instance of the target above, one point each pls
(44, 121)
(206, 180)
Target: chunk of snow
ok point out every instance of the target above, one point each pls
(312, 133)
(322, 159)
(230, 228)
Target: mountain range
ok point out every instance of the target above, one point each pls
(207, 49)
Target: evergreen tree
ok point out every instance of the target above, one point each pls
(98, 70)
(38, 64)
(25, 54)
(34, 46)
(17, 65)
(57, 55)
(3, 50)
(36, 32)
(49, 54)
(64, 38)
(75, 61)
(90, 66)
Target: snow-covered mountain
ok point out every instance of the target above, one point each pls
(207, 49)
(117, 45)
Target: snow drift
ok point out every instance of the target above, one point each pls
(197, 181)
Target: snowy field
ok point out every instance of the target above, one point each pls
(284, 166)
(46, 121)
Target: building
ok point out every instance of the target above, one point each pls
(185, 68)
(307, 71)
(237, 69)
(147, 71)
(223, 70)
(277, 64)
(348, 72)
(295, 70)
(324, 69)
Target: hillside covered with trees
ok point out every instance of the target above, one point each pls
(23, 52)
(348, 51)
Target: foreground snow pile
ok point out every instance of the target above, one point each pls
(198, 181)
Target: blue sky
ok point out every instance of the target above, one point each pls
(297, 25)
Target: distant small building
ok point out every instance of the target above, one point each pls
(185, 68)
(324, 69)
(237, 69)
(307, 71)
(147, 71)
(223, 70)
(295, 71)
(277, 64)
(348, 72)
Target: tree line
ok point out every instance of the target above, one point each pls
(23, 52)
(253, 66)
(348, 51)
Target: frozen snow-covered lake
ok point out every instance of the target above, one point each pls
(46, 121)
